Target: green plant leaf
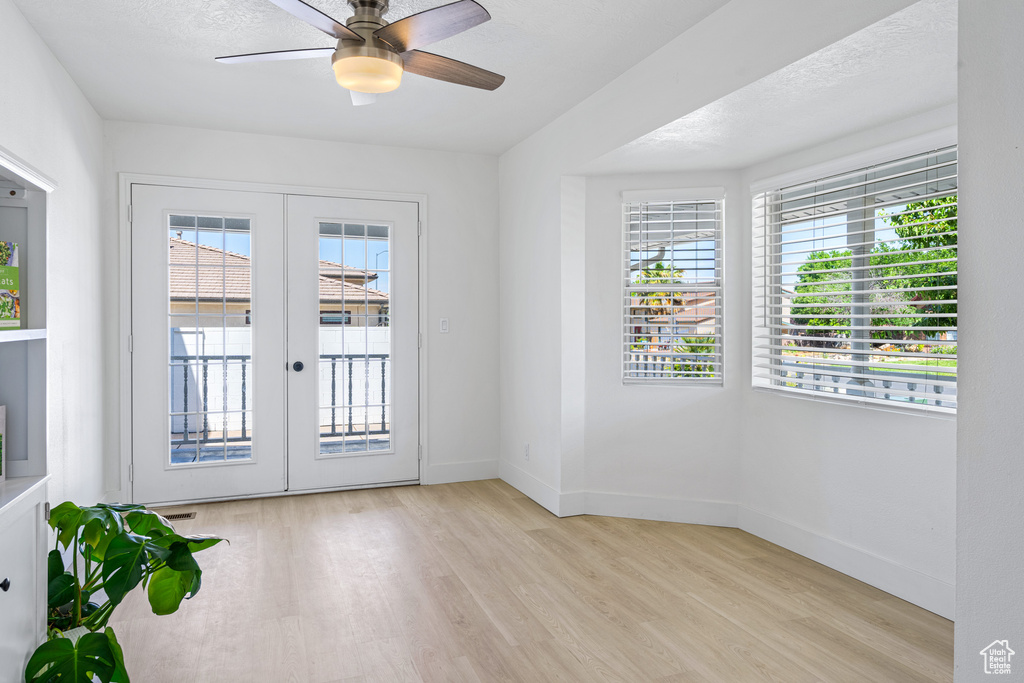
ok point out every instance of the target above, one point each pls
(195, 543)
(167, 588)
(123, 567)
(92, 531)
(120, 673)
(100, 522)
(148, 523)
(62, 661)
(98, 552)
(65, 518)
(181, 558)
(61, 590)
(96, 523)
(120, 507)
(54, 565)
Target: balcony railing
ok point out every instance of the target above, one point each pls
(345, 426)
(350, 360)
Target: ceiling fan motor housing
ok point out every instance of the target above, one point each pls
(354, 49)
(365, 21)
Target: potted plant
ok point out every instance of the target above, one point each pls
(111, 550)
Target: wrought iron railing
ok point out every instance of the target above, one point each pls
(348, 362)
(351, 360)
(203, 380)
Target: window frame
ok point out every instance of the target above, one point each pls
(863, 163)
(699, 195)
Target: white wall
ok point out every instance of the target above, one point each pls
(867, 491)
(990, 477)
(878, 502)
(461, 233)
(665, 452)
(540, 285)
(46, 121)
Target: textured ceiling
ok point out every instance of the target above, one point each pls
(152, 61)
(899, 67)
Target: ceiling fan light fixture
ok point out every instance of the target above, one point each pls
(369, 70)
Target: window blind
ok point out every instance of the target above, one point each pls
(855, 285)
(672, 299)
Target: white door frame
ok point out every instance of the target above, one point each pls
(125, 182)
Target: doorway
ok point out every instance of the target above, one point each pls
(274, 343)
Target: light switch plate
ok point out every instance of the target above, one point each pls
(444, 325)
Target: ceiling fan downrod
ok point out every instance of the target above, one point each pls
(373, 8)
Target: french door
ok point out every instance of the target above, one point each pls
(274, 343)
(352, 311)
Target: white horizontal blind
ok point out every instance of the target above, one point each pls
(673, 292)
(855, 285)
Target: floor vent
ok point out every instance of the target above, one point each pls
(178, 516)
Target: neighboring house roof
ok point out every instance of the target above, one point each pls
(693, 309)
(225, 276)
(336, 270)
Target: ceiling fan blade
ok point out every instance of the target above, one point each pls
(316, 18)
(278, 56)
(360, 99)
(451, 70)
(432, 25)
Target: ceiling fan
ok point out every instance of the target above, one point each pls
(372, 54)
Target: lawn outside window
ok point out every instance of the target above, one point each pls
(672, 294)
(855, 285)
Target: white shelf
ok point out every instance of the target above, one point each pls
(15, 488)
(22, 335)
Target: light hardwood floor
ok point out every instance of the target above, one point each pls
(475, 582)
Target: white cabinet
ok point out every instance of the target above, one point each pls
(23, 535)
(23, 572)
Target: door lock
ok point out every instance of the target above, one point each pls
(297, 366)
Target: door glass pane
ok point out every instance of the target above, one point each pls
(355, 338)
(210, 335)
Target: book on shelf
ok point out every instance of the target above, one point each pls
(10, 288)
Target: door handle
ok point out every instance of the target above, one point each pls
(5, 585)
(297, 366)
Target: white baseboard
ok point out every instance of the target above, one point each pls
(539, 492)
(572, 504)
(709, 512)
(923, 590)
(449, 473)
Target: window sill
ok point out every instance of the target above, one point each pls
(709, 384)
(822, 397)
